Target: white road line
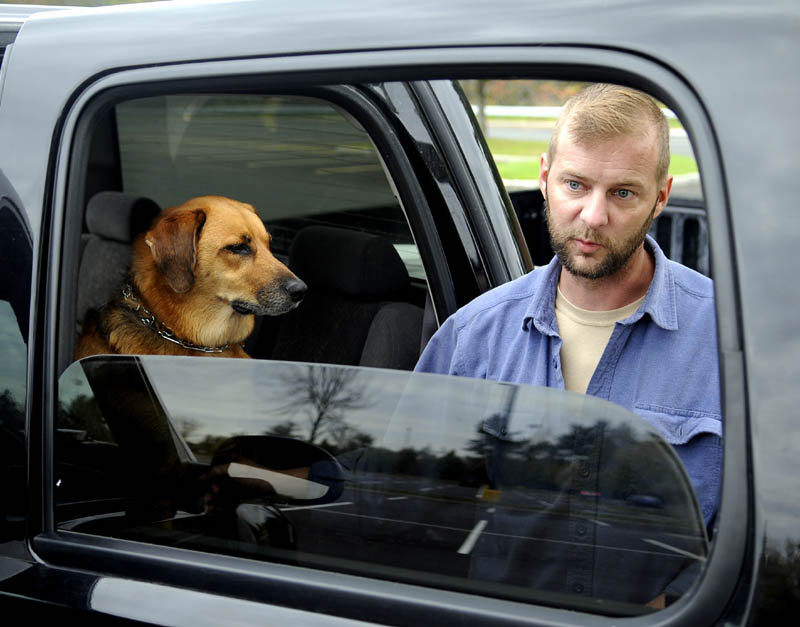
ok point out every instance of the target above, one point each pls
(599, 522)
(291, 509)
(472, 538)
(427, 489)
(397, 498)
(675, 549)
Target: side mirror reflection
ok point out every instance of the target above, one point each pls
(274, 468)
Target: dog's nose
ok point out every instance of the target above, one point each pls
(296, 289)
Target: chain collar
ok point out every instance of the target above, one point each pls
(146, 317)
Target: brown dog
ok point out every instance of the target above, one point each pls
(198, 278)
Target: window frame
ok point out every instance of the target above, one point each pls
(361, 597)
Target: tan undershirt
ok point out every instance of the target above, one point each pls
(584, 335)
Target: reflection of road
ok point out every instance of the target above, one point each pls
(440, 527)
(538, 131)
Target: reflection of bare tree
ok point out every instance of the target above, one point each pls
(286, 429)
(324, 396)
(83, 414)
(12, 415)
(187, 427)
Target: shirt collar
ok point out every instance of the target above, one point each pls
(659, 302)
(541, 310)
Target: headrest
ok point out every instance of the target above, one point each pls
(351, 262)
(119, 216)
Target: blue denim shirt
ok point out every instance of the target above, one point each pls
(660, 363)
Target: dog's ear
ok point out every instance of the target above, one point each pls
(173, 244)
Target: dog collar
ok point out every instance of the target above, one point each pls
(148, 319)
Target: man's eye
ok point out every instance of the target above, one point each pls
(239, 249)
(625, 194)
(573, 185)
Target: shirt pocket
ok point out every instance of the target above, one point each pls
(678, 426)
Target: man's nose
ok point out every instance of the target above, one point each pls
(595, 210)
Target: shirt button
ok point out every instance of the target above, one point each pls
(577, 588)
(581, 529)
(583, 469)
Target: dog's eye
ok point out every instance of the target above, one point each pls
(239, 249)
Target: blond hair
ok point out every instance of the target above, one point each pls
(602, 111)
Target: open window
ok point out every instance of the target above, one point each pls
(517, 493)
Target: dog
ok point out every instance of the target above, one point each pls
(198, 278)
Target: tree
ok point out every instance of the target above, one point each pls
(11, 413)
(285, 429)
(324, 395)
(84, 414)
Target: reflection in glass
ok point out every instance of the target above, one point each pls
(511, 491)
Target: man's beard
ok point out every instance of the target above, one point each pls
(617, 253)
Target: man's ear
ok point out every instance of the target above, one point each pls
(663, 196)
(173, 244)
(543, 167)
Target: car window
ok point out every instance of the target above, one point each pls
(15, 258)
(300, 161)
(517, 119)
(12, 424)
(318, 184)
(516, 492)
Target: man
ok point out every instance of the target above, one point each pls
(610, 315)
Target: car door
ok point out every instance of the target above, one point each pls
(122, 503)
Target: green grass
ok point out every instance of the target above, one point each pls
(519, 167)
(514, 147)
(679, 164)
(509, 156)
(505, 119)
(519, 170)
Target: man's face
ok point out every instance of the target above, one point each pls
(601, 198)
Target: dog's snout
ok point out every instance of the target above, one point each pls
(296, 289)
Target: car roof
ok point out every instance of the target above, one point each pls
(141, 32)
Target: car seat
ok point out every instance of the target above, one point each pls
(113, 220)
(356, 310)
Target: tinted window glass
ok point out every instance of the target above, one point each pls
(299, 161)
(12, 423)
(511, 491)
(318, 184)
(15, 259)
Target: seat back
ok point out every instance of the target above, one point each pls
(355, 311)
(113, 220)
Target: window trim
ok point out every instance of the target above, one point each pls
(731, 547)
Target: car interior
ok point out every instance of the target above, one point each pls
(320, 188)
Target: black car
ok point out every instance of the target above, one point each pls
(323, 482)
